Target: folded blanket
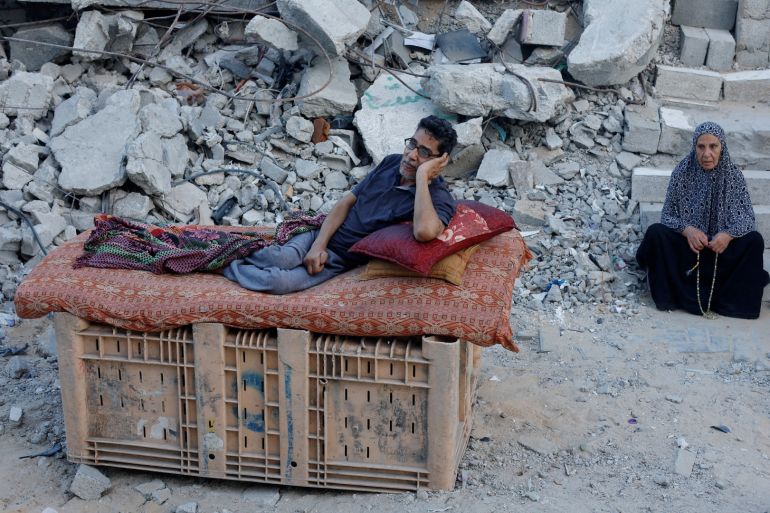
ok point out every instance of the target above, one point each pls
(117, 243)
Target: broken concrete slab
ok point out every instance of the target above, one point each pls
(132, 206)
(19, 165)
(503, 26)
(676, 130)
(339, 97)
(182, 201)
(145, 164)
(91, 152)
(542, 27)
(693, 45)
(271, 32)
(466, 14)
(89, 484)
(721, 49)
(389, 114)
(619, 40)
(469, 132)
(26, 95)
(684, 461)
(718, 14)
(184, 38)
(300, 128)
(494, 167)
(333, 24)
(747, 86)
(73, 110)
(161, 118)
(464, 161)
(627, 160)
(92, 34)
(532, 213)
(688, 83)
(35, 55)
(489, 89)
(641, 129)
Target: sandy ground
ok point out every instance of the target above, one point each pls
(589, 420)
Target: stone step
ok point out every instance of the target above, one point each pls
(649, 213)
(746, 125)
(649, 185)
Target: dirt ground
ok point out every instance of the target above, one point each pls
(591, 419)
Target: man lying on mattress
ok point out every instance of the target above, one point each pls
(406, 187)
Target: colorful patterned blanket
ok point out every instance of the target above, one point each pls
(117, 243)
(478, 311)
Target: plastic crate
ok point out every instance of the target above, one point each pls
(272, 406)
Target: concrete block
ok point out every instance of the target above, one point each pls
(641, 130)
(721, 51)
(650, 185)
(752, 34)
(690, 84)
(693, 47)
(465, 161)
(542, 27)
(272, 32)
(89, 483)
(718, 14)
(752, 59)
(748, 86)
(530, 212)
(676, 130)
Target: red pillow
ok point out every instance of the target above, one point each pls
(472, 223)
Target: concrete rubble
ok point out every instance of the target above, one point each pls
(86, 132)
(619, 41)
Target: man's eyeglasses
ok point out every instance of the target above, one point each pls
(422, 151)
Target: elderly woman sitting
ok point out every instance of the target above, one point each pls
(705, 256)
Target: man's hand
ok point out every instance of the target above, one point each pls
(314, 260)
(696, 239)
(720, 241)
(433, 167)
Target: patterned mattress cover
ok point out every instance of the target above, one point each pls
(478, 311)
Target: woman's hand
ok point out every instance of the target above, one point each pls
(696, 239)
(720, 241)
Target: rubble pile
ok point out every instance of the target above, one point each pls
(218, 120)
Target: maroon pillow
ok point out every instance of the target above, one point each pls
(473, 222)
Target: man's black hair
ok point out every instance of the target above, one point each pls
(441, 130)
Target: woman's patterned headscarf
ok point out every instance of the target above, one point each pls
(713, 201)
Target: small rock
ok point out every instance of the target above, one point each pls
(422, 494)
(14, 415)
(187, 507)
(674, 399)
(300, 128)
(532, 496)
(18, 367)
(89, 484)
(661, 480)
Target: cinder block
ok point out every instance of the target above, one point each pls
(641, 129)
(649, 213)
(650, 185)
(718, 14)
(676, 130)
(752, 34)
(689, 84)
(748, 86)
(542, 28)
(694, 43)
(721, 50)
(752, 59)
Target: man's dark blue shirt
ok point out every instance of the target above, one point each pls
(381, 201)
